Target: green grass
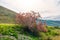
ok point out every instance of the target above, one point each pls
(17, 31)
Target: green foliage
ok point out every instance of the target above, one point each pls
(25, 30)
(22, 33)
(52, 32)
(37, 35)
(8, 30)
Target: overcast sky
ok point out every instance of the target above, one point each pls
(47, 8)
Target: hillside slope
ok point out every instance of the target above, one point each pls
(6, 15)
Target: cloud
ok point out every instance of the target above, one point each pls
(47, 8)
(58, 2)
(52, 18)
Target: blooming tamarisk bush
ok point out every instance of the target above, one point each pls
(29, 20)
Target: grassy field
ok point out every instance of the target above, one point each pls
(16, 32)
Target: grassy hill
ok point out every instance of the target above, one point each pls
(6, 15)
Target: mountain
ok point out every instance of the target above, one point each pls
(6, 15)
(52, 23)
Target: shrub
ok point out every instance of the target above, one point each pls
(28, 20)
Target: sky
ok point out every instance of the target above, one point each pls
(49, 9)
